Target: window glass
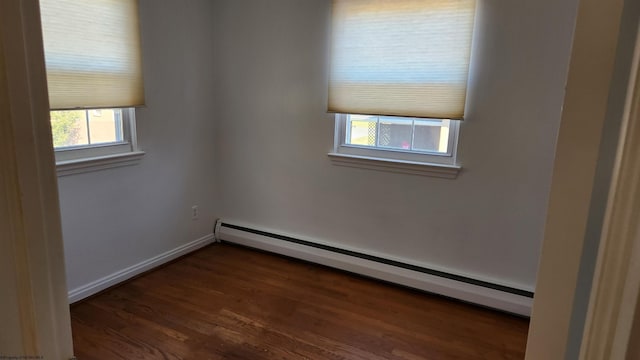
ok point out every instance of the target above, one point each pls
(397, 133)
(76, 128)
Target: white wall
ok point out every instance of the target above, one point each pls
(116, 218)
(274, 134)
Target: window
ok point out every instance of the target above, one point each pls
(94, 76)
(410, 139)
(398, 79)
(82, 134)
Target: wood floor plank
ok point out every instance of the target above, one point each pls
(228, 302)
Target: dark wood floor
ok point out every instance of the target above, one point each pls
(227, 302)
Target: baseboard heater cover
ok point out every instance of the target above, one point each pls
(484, 293)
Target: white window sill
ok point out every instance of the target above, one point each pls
(79, 166)
(398, 166)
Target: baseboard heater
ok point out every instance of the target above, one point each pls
(465, 288)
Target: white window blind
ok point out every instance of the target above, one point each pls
(92, 52)
(401, 57)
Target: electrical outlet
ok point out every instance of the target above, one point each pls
(194, 212)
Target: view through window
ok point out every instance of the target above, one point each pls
(405, 134)
(81, 128)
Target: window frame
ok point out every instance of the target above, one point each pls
(393, 154)
(85, 158)
(347, 132)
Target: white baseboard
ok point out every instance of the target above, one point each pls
(497, 299)
(94, 287)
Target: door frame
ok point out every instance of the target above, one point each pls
(590, 83)
(616, 284)
(33, 293)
